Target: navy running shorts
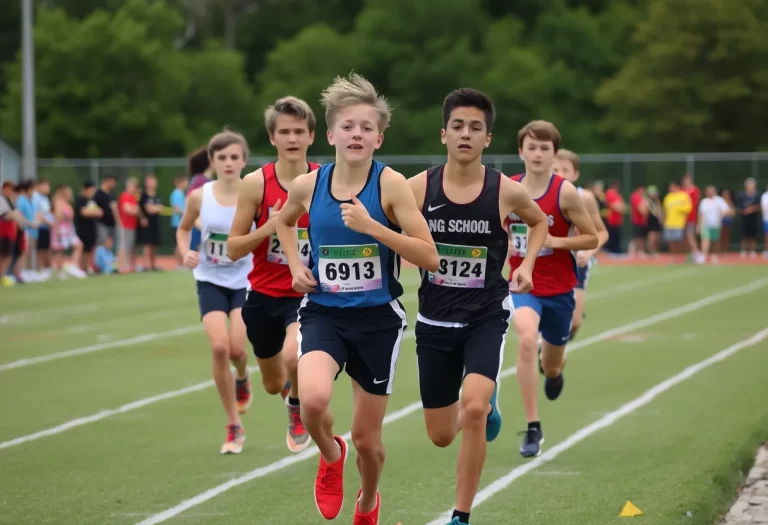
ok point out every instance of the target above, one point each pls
(214, 298)
(366, 341)
(266, 319)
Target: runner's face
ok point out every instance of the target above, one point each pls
(229, 162)
(466, 135)
(538, 155)
(564, 168)
(355, 133)
(291, 137)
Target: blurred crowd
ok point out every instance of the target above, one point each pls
(101, 227)
(692, 226)
(97, 226)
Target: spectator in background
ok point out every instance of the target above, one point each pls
(42, 208)
(178, 204)
(677, 207)
(764, 206)
(725, 231)
(105, 199)
(748, 206)
(712, 210)
(655, 215)
(615, 217)
(690, 228)
(149, 231)
(638, 203)
(598, 190)
(10, 219)
(104, 258)
(86, 214)
(128, 212)
(27, 238)
(63, 236)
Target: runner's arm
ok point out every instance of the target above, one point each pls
(574, 211)
(417, 245)
(299, 196)
(242, 240)
(191, 213)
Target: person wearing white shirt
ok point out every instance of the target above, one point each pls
(41, 204)
(712, 210)
(764, 208)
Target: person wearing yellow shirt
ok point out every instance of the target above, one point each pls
(677, 205)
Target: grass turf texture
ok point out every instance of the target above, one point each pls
(685, 451)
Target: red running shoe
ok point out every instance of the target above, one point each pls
(329, 483)
(370, 518)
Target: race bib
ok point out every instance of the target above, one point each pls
(275, 251)
(215, 245)
(460, 266)
(355, 268)
(518, 242)
(518, 239)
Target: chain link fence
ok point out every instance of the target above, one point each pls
(723, 170)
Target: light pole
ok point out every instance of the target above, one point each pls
(29, 147)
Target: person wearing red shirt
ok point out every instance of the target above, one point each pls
(271, 308)
(128, 210)
(615, 216)
(638, 203)
(549, 307)
(693, 218)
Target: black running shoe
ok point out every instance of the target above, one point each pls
(532, 442)
(553, 386)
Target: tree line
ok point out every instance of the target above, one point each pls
(155, 78)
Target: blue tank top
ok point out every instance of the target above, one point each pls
(352, 270)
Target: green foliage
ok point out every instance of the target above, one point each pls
(158, 77)
(697, 81)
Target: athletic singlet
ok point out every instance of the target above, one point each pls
(352, 270)
(215, 266)
(471, 245)
(555, 270)
(270, 274)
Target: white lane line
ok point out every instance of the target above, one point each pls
(21, 363)
(642, 283)
(607, 420)
(403, 412)
(134, 405)
(675, 312)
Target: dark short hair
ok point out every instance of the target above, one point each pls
(24, 186)
(469, 98)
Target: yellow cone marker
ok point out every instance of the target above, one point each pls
(630, 510)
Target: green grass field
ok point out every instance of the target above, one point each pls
(108, 414)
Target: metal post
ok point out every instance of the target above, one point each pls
(29, 148)
(690, 166)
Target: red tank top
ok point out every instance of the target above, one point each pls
(555, 270)
(270, 274)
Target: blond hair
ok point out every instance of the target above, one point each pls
(570, 156)
(351, 91)
(289, 106)
(539, 130)
(225, 139)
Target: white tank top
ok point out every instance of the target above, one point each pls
(214, 266)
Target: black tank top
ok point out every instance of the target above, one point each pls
(472, 247)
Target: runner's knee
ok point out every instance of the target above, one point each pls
(220, 349)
